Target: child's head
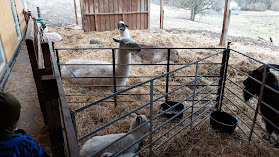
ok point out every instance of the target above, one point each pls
(9, 112)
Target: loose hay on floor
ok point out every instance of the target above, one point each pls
(202, 141)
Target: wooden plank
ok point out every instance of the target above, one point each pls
(53, 115)
(116, 10)
(88, 17)
(96, 10)
(30, 30)
(40, 53)
(111, 17)
(47, 59)
(148, 14)
(106, 16)
(101, 17)
(142, 15)
(70, 140)
(131, 15)
(75, 6)
(91, 18)
(82, 8)
(134, 17)
(138, 15)
(37, 73)
(141, 12)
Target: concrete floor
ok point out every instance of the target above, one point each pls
(22, 85)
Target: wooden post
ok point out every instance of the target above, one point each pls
(226, 20)
(70, 140)
(37, 73)
(161, 14)
(76, 11)
(148, 14)
(53, 114)
(46, 56)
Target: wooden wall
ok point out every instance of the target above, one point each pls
(103, 15)
(7, 27)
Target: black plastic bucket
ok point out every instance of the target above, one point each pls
(223, 121)
(174, 111)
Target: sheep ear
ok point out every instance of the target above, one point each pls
(116, 40)
(133, 115)
(126, 25)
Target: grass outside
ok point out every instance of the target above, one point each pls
(245, 24)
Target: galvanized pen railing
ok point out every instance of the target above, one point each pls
(221, 93)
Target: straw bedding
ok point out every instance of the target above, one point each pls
(202, 141)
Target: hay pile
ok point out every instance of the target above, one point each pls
(197, 142)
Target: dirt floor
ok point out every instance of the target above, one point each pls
(22, 84)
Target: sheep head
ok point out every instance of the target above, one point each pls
(254, 87)
(137, 121)
(122, 26)
(129, 44)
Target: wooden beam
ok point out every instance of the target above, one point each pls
(140, 12)
(53, 115)
(70, 139)
(76, 11)
(161, 14)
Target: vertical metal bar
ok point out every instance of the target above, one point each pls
(114, 77)
(74, 123)
(194, 94)
(259, 103)
(58, 61)
(167, 77)
(223, 75)
(38, 12)
(151, 117)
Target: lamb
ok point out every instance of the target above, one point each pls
(269, 97)
(96, 143)
(122, 68)
(108, 154)
(148, 56)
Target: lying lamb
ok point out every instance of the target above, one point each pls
(98, 142)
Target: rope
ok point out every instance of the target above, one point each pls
(68, 69)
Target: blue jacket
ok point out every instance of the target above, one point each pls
(20, 145)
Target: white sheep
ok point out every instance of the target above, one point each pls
(148, 56)
(98, 142)
(122, 68)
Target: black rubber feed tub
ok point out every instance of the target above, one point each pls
(174, 111)
(223, 121)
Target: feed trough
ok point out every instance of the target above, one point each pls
(174, 111)
(223, 121)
